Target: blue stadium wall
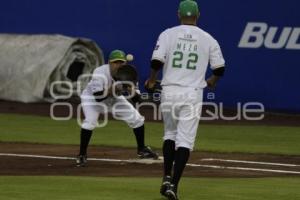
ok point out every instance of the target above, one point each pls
(261, 74)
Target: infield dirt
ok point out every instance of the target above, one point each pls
(11, 165)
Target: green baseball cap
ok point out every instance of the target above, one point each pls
(117, 55)
(188, 8)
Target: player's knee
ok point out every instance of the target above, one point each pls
(138, 122)
(170, 136)
(88, 125)
(184, 144)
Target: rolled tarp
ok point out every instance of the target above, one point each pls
(36, 68)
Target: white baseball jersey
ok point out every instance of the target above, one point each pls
(101, 79)
(120, 108)
(186, 52)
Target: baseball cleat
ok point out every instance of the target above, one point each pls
(81, 160)
(165, 185)
(147, 152)
(171, 193)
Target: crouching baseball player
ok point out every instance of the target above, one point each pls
(183, 52)
(103, 94)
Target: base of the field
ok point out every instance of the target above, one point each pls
(116, 162)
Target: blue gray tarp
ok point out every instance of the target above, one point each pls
(30, 64)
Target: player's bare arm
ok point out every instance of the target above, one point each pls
(156, 66)
(215, 77)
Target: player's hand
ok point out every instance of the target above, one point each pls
(149, 84)
(212, 82)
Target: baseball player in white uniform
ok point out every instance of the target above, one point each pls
(184, 53)
(98, 97)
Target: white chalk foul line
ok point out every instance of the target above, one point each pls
(149, 161)
(245, 169)
(141, 161)
(251, 162)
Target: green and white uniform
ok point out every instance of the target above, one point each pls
(186, 51)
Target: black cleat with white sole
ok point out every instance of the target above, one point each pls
(81, 160)
(147, 153)
(171, 193)
(165, 185)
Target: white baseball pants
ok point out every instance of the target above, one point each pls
(181, 111)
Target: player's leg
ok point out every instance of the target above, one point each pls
(91, 112)
(182, 153)
(187, 129)
(170, 132)
(123, 110)
(139, 134)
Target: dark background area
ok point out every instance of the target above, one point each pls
(270, 76)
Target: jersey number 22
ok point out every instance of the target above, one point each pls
(178, 59)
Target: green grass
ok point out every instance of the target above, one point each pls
(89, 188)
(221, 138)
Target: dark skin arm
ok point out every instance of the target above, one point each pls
(156, 66)
(152, 79)
(213, 79)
